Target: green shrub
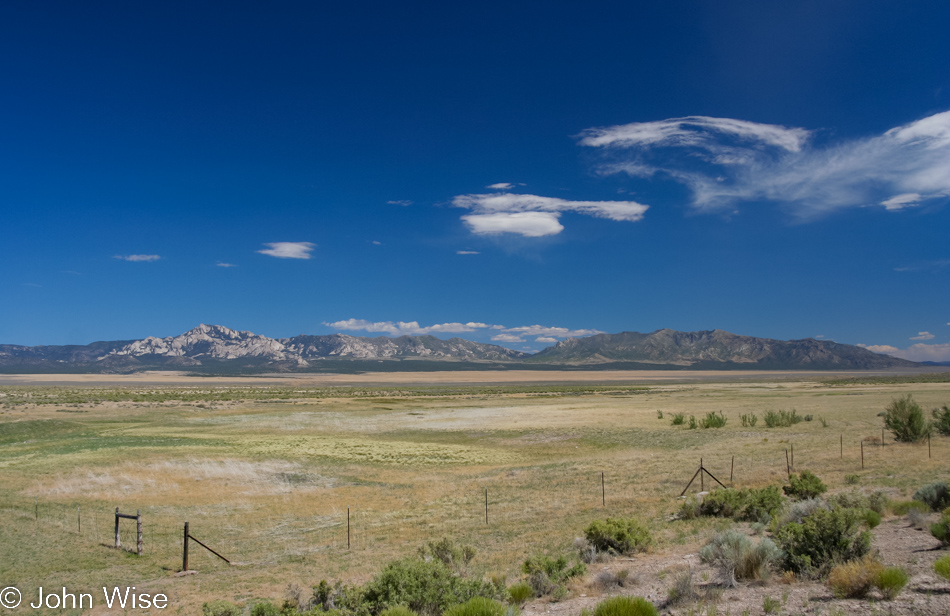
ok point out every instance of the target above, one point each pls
(749, 421)
(678, 419)
(454, 556)
(426, 587)
(399, 610)
(519, 593)
(941, 528)
(692, 423)
(746, 504)
(891, 581)
(854, 579)
(806, 485)
(618, 535)
(852, 480)
(220, 607)
(871, 518)
(478, 606)
(905, 419)
(625, 606)
(265, 608)
(736, 555)
(935, 495)
(876, 502)
(659, 414)
(942, 567)
(823, 538)
(547, 575)
(712, 420)
(808, 417)
(941, 422)
(781, 418)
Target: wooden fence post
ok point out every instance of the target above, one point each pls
(702, 470)
(603, 490)
(732, 468)
(118, 543)
(184, 551)
(78, 519)
(788, 465)
(138, 532)
(347, 528)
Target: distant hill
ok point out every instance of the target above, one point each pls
(231, 350)
(213, 348)
(714, 349)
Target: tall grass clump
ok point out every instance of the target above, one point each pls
(712, 420)
(678, 419)
(479, 606)
(854, 579)
(905, 419)
(935, 495)
(618, 536)
(942, 567)
(625, 606)
(519, 593)
(454, 556)
(749, 421)
(891, 581)
(781, 418)
(739, 558)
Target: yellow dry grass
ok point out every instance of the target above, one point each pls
(269, 483)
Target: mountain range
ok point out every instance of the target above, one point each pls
(214, 348)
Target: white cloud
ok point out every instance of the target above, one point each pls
(288, 250)
(467, 252)
(535, 216)
(507, 338)
(819, 336)
(916, 352)
(137, 258)
(222, 264)
(501, 186)
(544, 333)
(923, 336)
(377, 243)
(404, 328)
(900, 202)
(725, 162)
(402, 202)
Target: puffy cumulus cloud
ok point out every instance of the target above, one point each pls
(404, 328)
(725, 162)
(137, 258)
(535, 216)
(923, 336)
(915, 352)
(288, 250)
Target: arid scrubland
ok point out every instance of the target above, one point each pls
(266, 474)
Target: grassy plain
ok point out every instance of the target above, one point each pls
(265, 472)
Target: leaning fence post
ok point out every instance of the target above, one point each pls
(138, 531)
(184, 550)
(117, 542)
(788, 465)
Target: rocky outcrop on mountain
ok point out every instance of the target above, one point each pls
(221, 346)
(716, 348)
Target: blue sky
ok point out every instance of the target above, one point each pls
(516, 172)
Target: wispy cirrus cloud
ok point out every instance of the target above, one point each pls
(137, 258)
(535, 216)
(541, 333)
(467, 252)
(288, 250)
(915, 352)
(725, 162)
(223, 264)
